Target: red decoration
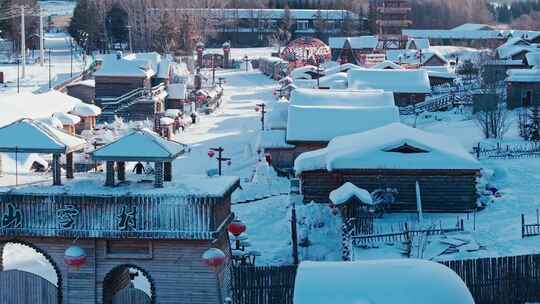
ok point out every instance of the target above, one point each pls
(214, 258)
(257, 109)
(237, 227)
(211, 153)
(229, 163)
(75, 256)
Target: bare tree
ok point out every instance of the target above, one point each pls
(494, 123)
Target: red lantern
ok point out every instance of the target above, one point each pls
(229, 163)
(211, 153)
(214, 258)
(237, 227)
(75, 256)
(268, 158)
(257, 109)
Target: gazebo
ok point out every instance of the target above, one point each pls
(139, 146)
(30, 136)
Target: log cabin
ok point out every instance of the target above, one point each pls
(394, 156)
(408, 86)
(315, 117)
(523, 88)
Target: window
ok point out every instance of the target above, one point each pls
(406, 149)
(135, 249)
(302, 25)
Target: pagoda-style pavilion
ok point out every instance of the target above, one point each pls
(30, 136)
(139, 146)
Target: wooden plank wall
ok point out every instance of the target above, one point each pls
(441, 192)
(21, 287)
(131, 296)
(263, 285)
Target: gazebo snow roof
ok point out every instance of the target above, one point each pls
(30, 136)
(140, 145)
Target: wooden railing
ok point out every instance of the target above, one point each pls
(528, 230)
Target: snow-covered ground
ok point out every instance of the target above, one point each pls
(37, 77)
(252, 53)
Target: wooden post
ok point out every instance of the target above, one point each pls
(121, 170)
(57, 179)
(158, 172)
(294, 236)
(70, 166)
(522, 225)
(109, 174)
(167, 174)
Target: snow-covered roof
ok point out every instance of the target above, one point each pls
(35, 106)
(30, 136)
(413, 56)
(166, 121)
(454, 34)
(387, 64)
(533, 59)
(523, 75)
(177, 91)
(380, 149)
(508, 51)
(67, 119)
(359, 42)
(419, 43)
(321, 115)
(140, 145)
(268, 139)
(304, 72)
(86, 110)
(341, 68)
(335, 81)
(472, 27)
(278, 113)
(139, 65)
(342, 98)
(403, 281)
(439, 72)
(398, 81)
(348, 191)
(87, 83)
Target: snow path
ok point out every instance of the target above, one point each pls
(233, 126)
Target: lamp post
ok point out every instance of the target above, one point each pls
(50, 83)
(18, 67)
(220, 157)
(262, 108)
(71, 58)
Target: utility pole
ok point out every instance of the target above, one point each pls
(41, 39)
(18, 75)
(23, 43)
(50, 84)
(71, 57)
(213, 69)
(261, 107)
(129, 37)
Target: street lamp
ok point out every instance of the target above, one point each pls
(262, 108)
(220, 157)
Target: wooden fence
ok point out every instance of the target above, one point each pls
(530, 229)
(501, 280)
(21, 287)
(507, 151)
(263, 285)
(498, 280)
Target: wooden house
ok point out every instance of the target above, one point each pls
(394, 156)
(523, 88)
(408, 86)
(84, 90)
(314, 117)
(349, 49)
(69, 121)
(177, 96)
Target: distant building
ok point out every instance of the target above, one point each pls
(256, 27)
(523, 88)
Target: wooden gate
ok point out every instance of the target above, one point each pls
(21, 287)
(263, 284)
(131, 296)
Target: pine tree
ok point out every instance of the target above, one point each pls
(83, 27)
(117, 21)
(534, 123)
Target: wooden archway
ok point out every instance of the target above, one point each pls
(109, 289)
(59, 281)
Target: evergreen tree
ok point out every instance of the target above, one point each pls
(83, 27)
(533, 129)
(117, 21)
